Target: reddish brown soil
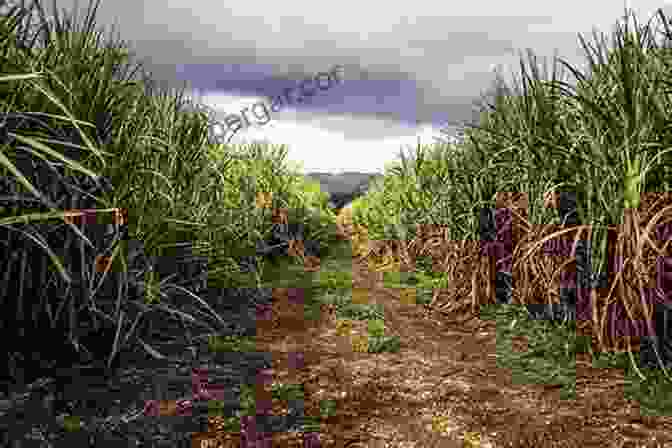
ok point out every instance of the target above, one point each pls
(446, 369)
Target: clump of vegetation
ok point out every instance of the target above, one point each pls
(546, 135)
(159, 182)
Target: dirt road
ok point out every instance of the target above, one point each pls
(445, 387)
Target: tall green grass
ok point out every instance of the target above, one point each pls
(608, 139)
(69, 95)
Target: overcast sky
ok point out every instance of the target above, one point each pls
(406, 68)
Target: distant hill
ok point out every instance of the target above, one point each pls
(343, 187)
(342, 183)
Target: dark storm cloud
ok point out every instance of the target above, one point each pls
(418, 62)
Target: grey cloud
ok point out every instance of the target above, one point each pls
(410, 70)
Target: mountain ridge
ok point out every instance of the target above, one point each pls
(343, 188)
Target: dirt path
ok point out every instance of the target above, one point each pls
(444, 387)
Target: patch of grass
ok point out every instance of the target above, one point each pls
(424, 280)
(327, 408)
(340, 253)
(330, 297)
(376, 327)
(218, 344)
(286, 392)
(551, 358)
(423, 296)
(397, 279)
(336, 288)
(312, 310)
(285, 275)
(339, 281)
(361, 311)
(379, 344)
